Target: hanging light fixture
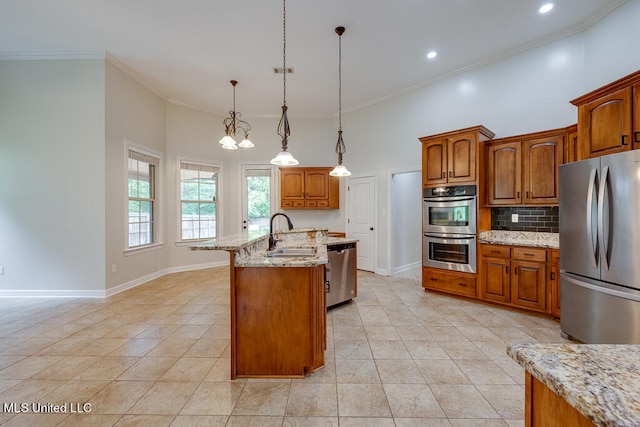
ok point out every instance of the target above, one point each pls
(340, 170)
(284, 158)
(233, 124)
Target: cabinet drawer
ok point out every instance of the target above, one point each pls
(286, 203)
(455, 283)
(323, 203)
(298, 203)
(498, 251)
(310, 203)
(530, 254)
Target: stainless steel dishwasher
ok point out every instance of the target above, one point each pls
(341, 273)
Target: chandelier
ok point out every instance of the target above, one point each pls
(284, 158)
(233, 124)
(340, 170)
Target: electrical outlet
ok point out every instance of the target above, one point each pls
(114, 268)
(514, 217)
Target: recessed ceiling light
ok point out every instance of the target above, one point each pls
(547, 7)
(432, 54)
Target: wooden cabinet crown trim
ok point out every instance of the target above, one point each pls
(532, 135)
(615, 86)
(479, 129)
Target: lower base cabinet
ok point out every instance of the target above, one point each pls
(514, 275)
(451, 282)
(278, 321)
(543, 408)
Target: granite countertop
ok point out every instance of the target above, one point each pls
(250, 248)
(520, 238)
(601, 381)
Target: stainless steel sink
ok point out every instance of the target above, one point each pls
(292, 252)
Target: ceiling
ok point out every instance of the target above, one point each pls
(187, 51)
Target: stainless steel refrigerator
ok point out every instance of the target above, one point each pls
(600, 249)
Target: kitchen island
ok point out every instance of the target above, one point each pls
(580, 384)
(278, 304)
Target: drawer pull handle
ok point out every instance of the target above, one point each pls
(450, 174)
(444, 175)
(493, 251)
(515, 271)
(462, 284)
(636, 137)
(433, 279)
(506, 269)
(553, 276)
(517, 195)
(624, 139)
(526, 254)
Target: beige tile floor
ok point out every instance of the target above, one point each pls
(158, 355)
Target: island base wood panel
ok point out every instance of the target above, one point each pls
(544, 408)
(278, 322)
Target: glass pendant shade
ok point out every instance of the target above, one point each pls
(284, 158)
(245, 143)
(340, 171)
(227, 140)
(230, 145)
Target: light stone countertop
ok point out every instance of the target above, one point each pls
(601, 381)
(251, 248)
(520, 238)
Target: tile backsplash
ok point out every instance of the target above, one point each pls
(543, 219)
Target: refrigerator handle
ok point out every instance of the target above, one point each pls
(601, 237)
(594, 249)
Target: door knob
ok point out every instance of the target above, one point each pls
(371, 228)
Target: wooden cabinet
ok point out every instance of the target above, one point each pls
(451, 158)
(309, 188)
(448, 281)
(278, 321)
(554, 283)
(609, 118)
(543, 407)
(495, 277)
(523, 170)
(516, 276)
(571, 144)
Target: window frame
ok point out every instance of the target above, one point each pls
(180, 241)
(157, 227)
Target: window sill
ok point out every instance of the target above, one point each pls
(143, 249)
(191, 242)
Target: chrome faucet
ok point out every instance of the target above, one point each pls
(272, 241)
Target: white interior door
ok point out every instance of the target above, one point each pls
(361, 219)
(258, 196)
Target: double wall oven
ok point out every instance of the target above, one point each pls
(449, 228)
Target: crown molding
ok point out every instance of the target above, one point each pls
(42, 56)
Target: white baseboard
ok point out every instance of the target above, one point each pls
(406, 267)
(68, 293)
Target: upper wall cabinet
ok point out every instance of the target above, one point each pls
(609, 118)
(523, 170)
(309, 188)
(450, 158)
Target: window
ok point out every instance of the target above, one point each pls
(143, 209)
(258, 203)
(198, 200)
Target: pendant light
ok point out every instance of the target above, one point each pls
(340, 170)
(232, 124)
(284, 158)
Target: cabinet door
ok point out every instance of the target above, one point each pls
(604, 125)
(541, 158)
(636, 116)
(434, 162)
(504, 174)
(291, 184)
(554, 283)
(528, 285)
(461, 164)
(316, 184)
(495, 283)
(571, 149)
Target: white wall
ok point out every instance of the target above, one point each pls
(406, 219)
(136, 114)
(52, 177)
